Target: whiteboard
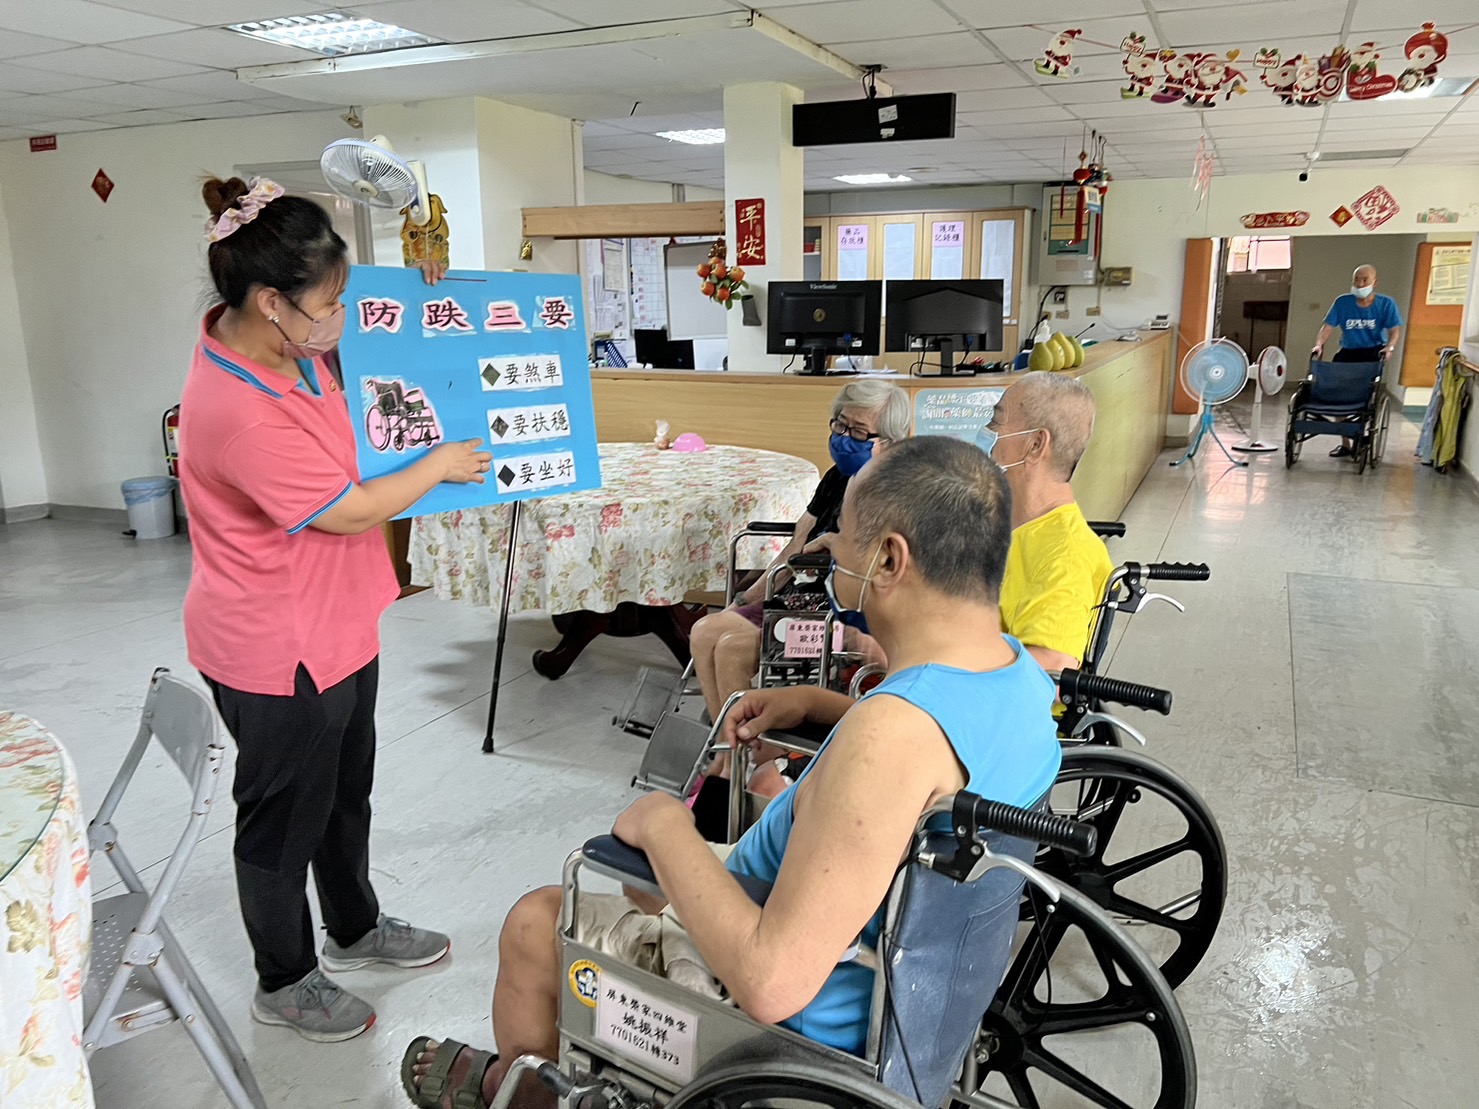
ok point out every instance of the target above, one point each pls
(691, 315)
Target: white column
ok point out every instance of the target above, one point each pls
(759, 161)
(526, 159)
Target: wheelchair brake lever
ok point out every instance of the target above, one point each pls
(991, 861)
(1090, 718)
(1172, 601)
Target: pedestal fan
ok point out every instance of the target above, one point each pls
(1214, 372)
(1269, 371)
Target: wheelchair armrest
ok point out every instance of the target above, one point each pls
(770, 527)
(822, 560)
(608, 856)
(1107, 529)
(806, 734)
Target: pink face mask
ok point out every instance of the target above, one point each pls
(323, 335)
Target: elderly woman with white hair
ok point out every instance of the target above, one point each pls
(866, 416)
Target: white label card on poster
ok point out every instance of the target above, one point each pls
(528, 424)
(531, 473)
(646, 1028)
(530, 371)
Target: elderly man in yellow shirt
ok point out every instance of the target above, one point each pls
(1057, 567)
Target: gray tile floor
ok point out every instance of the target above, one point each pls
(1343, 974)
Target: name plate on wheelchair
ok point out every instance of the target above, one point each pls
(804, 637)
(646, 1028)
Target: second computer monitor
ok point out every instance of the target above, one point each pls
(952, 317)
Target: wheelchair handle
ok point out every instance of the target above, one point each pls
(1041, 827)
(1107, 529)
(1178, 571)
(1075, 685)
(770, 527)
(818, 561)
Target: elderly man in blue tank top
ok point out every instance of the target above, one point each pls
(918, 561)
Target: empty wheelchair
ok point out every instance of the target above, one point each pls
(962, 1008)
(1345, 399)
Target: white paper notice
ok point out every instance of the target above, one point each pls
(528, 472)
(528, 423)
(522, 371)
(646, 1029)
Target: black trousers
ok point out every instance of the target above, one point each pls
(304, 768)
(1357, 354)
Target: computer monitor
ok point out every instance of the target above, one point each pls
(655, 349)
(951, 317)
(822, 318)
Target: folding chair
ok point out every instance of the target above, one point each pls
(140, 979)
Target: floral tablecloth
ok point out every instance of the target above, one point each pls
(658, 529)
(45, 921)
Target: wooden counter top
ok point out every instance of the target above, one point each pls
(1100, 354)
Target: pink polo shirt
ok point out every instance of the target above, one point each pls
(260, 459)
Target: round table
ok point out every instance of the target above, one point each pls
(45, 921)
(618, 560)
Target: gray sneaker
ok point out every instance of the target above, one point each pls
(391, 941)
(314, 1008)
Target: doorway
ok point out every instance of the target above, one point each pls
(1253, 297)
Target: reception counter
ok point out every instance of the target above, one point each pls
(1131, 383)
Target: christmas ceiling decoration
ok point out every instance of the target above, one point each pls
(1204, 79)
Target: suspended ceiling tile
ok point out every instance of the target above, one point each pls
(995, 75)
(607, 13)
(215, 47)
(1384, 15)
(995, 100)
(1100, 36)
(145, 118)
(213, 86)
(35, 82)
(13, 44)
(66, 127)
(213, 13)
(856, 20)
(1051, 13)
(231, 109)
(1085, 92)
(82, 21)
(917, 52)
(1257, 24)
(100, 61)
(469, 20)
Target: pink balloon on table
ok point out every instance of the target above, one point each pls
(689, 443)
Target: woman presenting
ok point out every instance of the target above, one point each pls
(289, 579)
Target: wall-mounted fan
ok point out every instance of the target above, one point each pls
(1269, 371)
(1214, 372)
(370, 172)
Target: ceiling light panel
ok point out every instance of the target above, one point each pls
(333, 34)
(702, 136)
(871, 178)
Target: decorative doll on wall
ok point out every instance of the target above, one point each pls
(433, 241)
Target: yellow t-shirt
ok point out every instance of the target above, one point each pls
(1056, 572)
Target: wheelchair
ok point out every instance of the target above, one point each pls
(399, 418)
(961, 1010)
(1345, 399)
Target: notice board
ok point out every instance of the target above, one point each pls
(500, 357)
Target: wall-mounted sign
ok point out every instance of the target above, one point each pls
(1374, 208)
(1448, 277)
(42, 142)
(749, 239)
(1342, 216)
(1275, 219)
(956, 413)
(852, 236)
(1438, 215)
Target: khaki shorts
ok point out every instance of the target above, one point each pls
(615, 926)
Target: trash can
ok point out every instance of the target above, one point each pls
(151, 506)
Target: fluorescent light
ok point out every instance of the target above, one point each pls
(703, 136)
(871, 179)
(333, 34)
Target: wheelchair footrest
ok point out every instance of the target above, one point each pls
(671, 763)
(658, 690)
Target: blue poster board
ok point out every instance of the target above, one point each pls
(500, 357)
(959, 413)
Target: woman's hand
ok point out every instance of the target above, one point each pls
(462, 463)
(432, 270)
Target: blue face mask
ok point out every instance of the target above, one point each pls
(851, 617)
(850, 455)
(988, 437)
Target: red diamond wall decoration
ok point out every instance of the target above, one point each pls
(102, 184)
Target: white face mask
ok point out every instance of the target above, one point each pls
(1361, 292)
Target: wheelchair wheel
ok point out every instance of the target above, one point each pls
(1379, 430)
(759, 1083)
(1081, 995)
(1292, 443)
(1159, 845)
(377, 428)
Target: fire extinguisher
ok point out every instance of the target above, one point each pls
(171, 432)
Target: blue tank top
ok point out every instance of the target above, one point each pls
(1000, 724)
